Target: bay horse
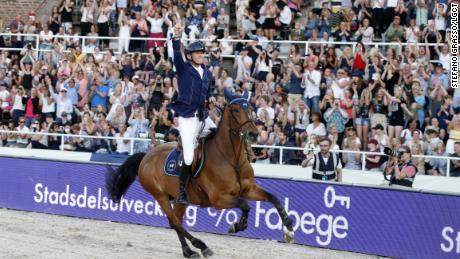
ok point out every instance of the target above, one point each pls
(226, 179)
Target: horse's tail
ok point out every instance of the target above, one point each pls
(118, 181)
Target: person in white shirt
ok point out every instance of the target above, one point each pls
(19, 101)
(243, 64)
(439, 14)
(263, 105)
(46, 38)
(365, 31)
(285, 18)
(124, 33)
(156, 28)
(412, 31)
(339, 84)
(311, 81)
(123, 145)
(4, 96)
(103, 21)
(64, 104)
(23, 136)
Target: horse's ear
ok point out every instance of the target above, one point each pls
(246, 95)
(228, 95)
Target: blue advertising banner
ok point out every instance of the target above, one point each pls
(368, 220)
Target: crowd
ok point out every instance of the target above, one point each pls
(359, 96)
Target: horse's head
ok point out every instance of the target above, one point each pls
(240, 121)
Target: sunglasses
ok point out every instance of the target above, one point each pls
(324, 145)
(22, 122)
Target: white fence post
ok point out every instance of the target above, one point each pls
(363, 161)
(281, 155)
(448, 167)
(62, 141)
(131, 147)
(37, 45)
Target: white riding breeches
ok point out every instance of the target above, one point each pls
(189, 128)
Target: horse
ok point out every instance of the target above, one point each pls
(226, 179)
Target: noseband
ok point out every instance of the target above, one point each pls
(242, 129)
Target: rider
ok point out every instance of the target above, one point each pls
(194, 92)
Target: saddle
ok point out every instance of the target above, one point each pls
(174, 160)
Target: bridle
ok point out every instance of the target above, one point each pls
(241, 132)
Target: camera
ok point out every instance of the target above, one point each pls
(29, 46)
(390, 152)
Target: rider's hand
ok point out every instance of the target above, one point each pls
(178, 30)
(212, 100)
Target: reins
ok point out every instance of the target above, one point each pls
(241, 135)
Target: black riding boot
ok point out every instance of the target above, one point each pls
(184, 174)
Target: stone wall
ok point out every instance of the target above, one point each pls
(10, 8)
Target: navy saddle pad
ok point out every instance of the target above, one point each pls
(171, 167)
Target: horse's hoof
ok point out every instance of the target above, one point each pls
(189, 253)
(207, 252)
(288, 236)
(233, 228)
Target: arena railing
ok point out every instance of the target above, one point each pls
(281, 148)
(84, 39)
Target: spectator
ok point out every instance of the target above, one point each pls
(155, 17)
(139, 29)
(139, 129)
(455, 164)
(337, 117)
(38, 141)
(289, 157)
(103, 21)
(63, 103)
(100, 91)
(66, 11)
(352, 160)
(124, 33)
(373, 161)
(19, 101)
(311, 82)
(438, 165)
(123, 146)
(87, 18)
(419, 162)
(105, 145)
(22, 137)
(454, 133)
(395, 32)
(32, 109)
(365, 32)
(382, 138)
(301, 122)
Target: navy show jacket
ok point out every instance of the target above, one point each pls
(194, 91)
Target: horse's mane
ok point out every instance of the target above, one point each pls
(213, 132)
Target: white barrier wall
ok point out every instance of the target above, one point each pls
(357, 177)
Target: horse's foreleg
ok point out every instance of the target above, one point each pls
(243, 223)
(186, 251)
(176, 224)
(257, 193)
(179, 210)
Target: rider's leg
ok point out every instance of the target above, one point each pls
(187, 128)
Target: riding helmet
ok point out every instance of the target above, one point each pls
(196, 46)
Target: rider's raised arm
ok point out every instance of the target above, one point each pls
(179, 62)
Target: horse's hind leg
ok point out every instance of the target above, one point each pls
(243, 223)
(257, 193)
(179, 211)
(176, 224)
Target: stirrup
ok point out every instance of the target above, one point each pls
(182, 198)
